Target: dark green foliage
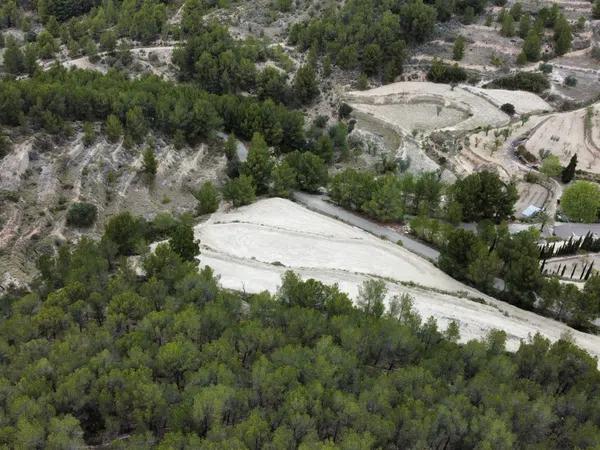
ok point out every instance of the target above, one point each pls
(125, 232)
(113, 128)
(214, 60)
(311, 171)
(259, 164)
(532, 45)
(508, 108)
(483, 195)
(208, 198)
(135, 124)
(284, 180)
(149, 162)
(65, 9)
(183, 243)
(563, 35)
(386, 197)
(305, 84)
(271, 83)
(570, 81)
(458, 50)
(459, 253)
(440, 72)
(568, 172)
(89, 134)
(82, 214)
(13, 60)
(366, 34)
(58, 95)
(344, 111)
(240, 191)
(525, 81)
(98, 356)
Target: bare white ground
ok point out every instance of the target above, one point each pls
(524, 102)
(427, 106)
(565, 134)
(251, 247)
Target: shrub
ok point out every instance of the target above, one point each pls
(508, 108)
(82, 214)
(525, 154)
(240, 191)
(208, 199)
(551, 166)
(570, 81)
(440, 72)
(535, 82)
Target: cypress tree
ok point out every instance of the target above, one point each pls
(568, 172)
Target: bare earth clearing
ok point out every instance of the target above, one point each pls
(565, 134)
(425, 106)
(251, 247)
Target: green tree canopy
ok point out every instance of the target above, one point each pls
(581, 201)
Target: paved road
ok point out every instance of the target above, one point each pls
(320, 204)
(566, 230)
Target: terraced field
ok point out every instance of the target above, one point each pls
(251, 247)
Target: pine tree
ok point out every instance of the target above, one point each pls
(150, 165)
(568, 172)
(13, 58)
(562, 36)
(532, 46)
(305, 84)
(459, 48)
(508, 26)
(524, 26)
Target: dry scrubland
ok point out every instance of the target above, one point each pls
(251, 247)
(37, 186)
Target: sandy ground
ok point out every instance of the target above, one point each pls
(427, 106)
(524, 102)
(565, 134)
(251, 247)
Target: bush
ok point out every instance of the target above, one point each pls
(525, 154)
(311, 171)
(208, 199)
(535, 82)
(440, 72)
(240, 191)
(570, 81)
(82, 214)
(508, 108)
(551, 166)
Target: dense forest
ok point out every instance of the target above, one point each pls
(96, 353)
(116, 346)
(51, 99)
